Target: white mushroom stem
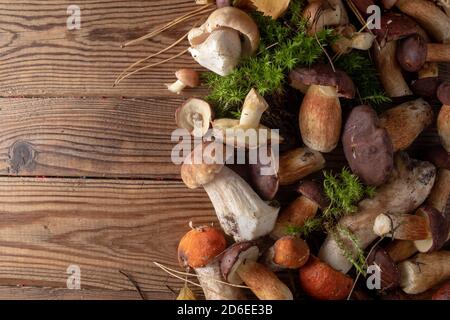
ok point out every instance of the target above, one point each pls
(252, 110)
(424, 271)
(241, 213)
(215, 290)
(408, 187)
(391, 75)
(176, 87)
(362, 40)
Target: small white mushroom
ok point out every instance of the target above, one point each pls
(195, 116)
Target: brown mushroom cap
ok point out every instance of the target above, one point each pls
(199, 167)
(443, 293)
(325, 76)
(189, 77)
(438, 156)
(266, 185)
(426, 87)
(362, 5)
(396, 26)
(234, 256)
(367, 147)
(443, 93)
(438, 227)
(314, 191)
(290, 252)
(412, 53)
(200, 246)
(390, 274)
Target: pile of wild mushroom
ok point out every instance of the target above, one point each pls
(299, 220)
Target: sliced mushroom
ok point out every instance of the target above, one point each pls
(195, 116)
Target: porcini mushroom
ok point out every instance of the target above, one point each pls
(413, 52)
(321, 13)
(443, 121)
(322, 282)
(320, 116)
(301, 209)
(424, 271)
(407, 188)
(195, 116)
(227, 35)
(391, 75)
(199, 249)
(428, 228)
(405, 122)
(438, 227)
(288, 252)
(241, 213)
(389, 272)
(401, 226)
(185, 78)
(239, 265)
(299, 163)
(429, 16)
(400, 250)
(367, 146)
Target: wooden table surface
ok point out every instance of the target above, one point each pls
(85, 172)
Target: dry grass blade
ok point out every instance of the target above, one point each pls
(148, 58)
(150, 66)
(187, 16)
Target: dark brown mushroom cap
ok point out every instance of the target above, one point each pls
(234, 256)
(314, 191)
(367, 147)
(265, 184)
(426, 87)
(412, 53)
(388, 4)
(438, 225)
(438, 156)
(443, 93)
(325, 76)
(443, 292)
(390, 273)
(396, 26)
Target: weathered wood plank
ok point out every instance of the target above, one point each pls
(39, 56)
(101, 226)
(40, 293)
(87, 137)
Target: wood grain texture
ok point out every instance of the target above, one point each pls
(87, 137)
(101, 226)
(39, 56)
